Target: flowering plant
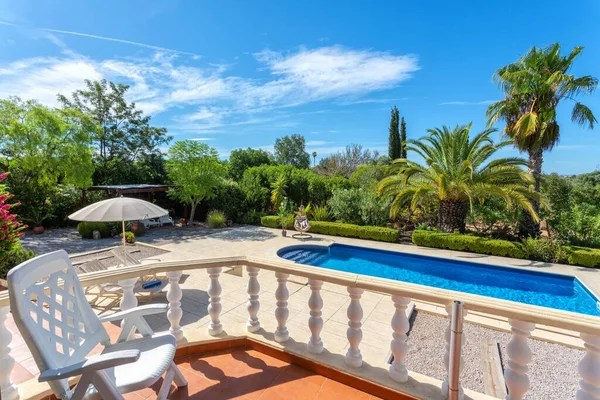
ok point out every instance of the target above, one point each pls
(10, 229)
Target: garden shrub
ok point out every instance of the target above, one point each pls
(475, 244)
(320, 213)
(252, 217)
(345, 206)
(129, 237)
(340, 229)
(215, 219)
(585, 256)
(86, 229)
(544, 249)
(15, 256)
(229, 198)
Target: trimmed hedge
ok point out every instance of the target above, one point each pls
(583, 256)
(339, 229)
(86, 229)
(475, 244)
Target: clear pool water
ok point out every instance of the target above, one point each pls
(538, 288)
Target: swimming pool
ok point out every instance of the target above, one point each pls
(530, 287)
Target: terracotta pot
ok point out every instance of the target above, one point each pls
(38, 229)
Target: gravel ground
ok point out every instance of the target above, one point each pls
(106, 257)
(552, 372)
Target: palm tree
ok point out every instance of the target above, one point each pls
(533, 88)
(457, 173)
(314, 155)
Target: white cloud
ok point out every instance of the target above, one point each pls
(467, 103)
(205, 97)
(202, 139)
(312, 143)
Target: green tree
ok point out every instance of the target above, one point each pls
(278, 191)
(242, 159)
(291, 150)
(196, 171)
(402, 138)
(394, 144)
(125, 133)
(346, 162)
(534, 86)
(42, 148)
(457, 173)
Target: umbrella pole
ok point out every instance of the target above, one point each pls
(124, 242)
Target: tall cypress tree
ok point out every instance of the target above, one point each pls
(402, 138)
(394, 138)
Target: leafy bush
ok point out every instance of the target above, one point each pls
(544, 249)
(583, 256)
(15, 256)
(229, 198)
(320, 213)
(340, 229)
(106, 229)
(215, 219)
(274, 221)
(345, 205)
(424, 226)
(475, 244)
(492, 217)
(252, 217)
(129, 237)
(374, 211)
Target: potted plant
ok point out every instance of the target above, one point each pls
(283, 214)
(36, 217)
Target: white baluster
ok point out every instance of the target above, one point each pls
(354, 333)
(281, 312)
(128, 300)
(589, 369)
(175, 312)
(8, 389)
(214, 306)
(253, 323)
(315, 322)
(519, 355)
(399, 347)
(461, 393)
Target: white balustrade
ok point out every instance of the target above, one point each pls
(315, 322)
(354, 333)
(214, 306)
(128, 300)
(8, 390)
(253, 324)
(447, 333)
(519, 355)
(281, 312)
(399, 347)
(589, 369)
(175, 312)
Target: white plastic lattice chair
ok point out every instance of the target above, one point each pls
(60, 328)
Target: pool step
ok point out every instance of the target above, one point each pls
(307, 257)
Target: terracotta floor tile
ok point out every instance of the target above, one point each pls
(304, 375)
(335, 390)
(286, 387)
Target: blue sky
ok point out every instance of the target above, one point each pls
(242, 73)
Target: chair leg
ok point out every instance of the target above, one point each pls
(106, 388)
(178, 377)
(166, 385)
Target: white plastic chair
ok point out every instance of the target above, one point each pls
(60, 328)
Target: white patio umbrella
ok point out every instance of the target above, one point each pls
(119, 209)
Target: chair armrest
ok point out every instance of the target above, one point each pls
(140, 311)
(97, 363)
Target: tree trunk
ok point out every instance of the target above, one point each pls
(527, 226)
(192, 212)
(452, 216)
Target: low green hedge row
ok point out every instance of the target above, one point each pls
(584, 256)
(86, 229)
(452, 241)
(339, 229)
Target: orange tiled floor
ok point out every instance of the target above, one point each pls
(249, 374)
